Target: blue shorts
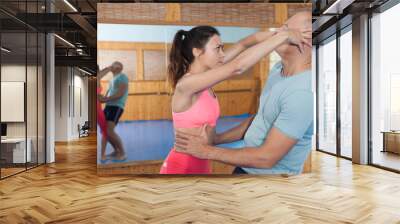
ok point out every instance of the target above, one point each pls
(113, 113)
(239, 170)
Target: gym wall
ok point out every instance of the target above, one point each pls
(145, 63)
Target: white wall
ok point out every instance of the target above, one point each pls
(80, 84)
(70, 83)
(61, 103)
(12, 73)
(162, 33)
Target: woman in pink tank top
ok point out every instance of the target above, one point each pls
(101, 119)
(197, 63)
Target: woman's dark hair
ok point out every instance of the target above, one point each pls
(181, 55)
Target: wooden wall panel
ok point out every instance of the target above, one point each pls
(143, 87)
(151, 100)
(155, 65)
(281, 13)
(239, 14)
(216, 14)
(130, 13)
(147, 107)
(294, 8)
(173, 12)
(232, 84)
(139, 64)
(106, 57)
(241, 102)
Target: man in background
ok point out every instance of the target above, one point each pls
(115, 100)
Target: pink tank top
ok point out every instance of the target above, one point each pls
(204, 111)
(101, 119)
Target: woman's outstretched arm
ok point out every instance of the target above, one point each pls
(245, 43)
(192, 84)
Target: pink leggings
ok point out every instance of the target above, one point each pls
(180, 163)
(101, 118)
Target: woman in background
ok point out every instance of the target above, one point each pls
(101, 119)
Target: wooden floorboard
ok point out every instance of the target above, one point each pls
(69, 191)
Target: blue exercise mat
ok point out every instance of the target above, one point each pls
(152, 140)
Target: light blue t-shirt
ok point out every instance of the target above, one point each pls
(113, 89)
(287, 104)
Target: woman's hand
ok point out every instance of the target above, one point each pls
(102, 98)
(297, 37)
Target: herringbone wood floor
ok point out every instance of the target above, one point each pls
(69, 191)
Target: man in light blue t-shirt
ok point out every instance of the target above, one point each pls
(278, 139)
(115, 100)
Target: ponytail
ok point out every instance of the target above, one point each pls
(179, 58)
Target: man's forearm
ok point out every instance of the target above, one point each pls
(244, 157)
(233, 134)
(103, 72)
(114, 97)
(122, 89)
(254, 54)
